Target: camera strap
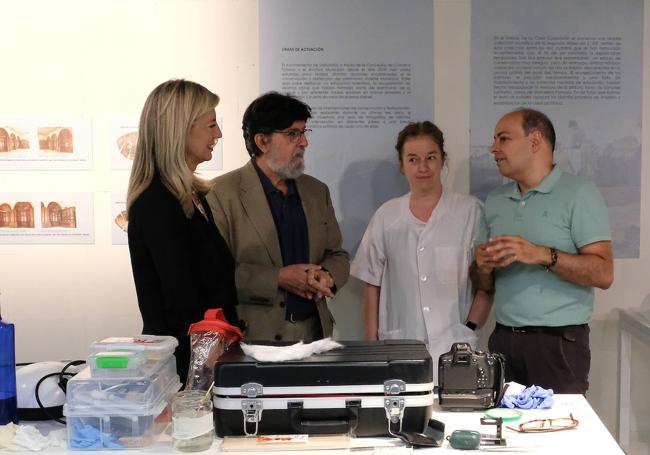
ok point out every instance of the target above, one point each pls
(501, 361)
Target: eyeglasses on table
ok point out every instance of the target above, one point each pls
(547, 425)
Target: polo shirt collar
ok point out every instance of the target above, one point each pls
(545, 186)
(549, 181)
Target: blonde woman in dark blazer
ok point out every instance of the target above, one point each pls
(181, 264)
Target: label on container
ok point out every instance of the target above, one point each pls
(112, 340)
(185, 427)
(283, 439)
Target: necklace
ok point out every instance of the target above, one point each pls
(198, 205)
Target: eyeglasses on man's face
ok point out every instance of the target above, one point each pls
(547, 425)
(294, 134)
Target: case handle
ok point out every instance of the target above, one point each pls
(324, 426)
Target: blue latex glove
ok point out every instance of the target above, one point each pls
(533, 397)
(87, 437)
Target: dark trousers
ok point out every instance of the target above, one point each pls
(555, 358)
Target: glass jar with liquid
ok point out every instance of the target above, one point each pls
(192, 425)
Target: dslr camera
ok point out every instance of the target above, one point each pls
(470, 380)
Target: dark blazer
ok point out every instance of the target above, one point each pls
(244, 218)
(181, 267)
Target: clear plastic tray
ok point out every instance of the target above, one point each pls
(128, 394)
(156, 347)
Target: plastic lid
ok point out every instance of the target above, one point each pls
(117, 359)
(215, 321)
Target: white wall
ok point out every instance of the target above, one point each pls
(100, 59)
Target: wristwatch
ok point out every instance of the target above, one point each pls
(553, 258)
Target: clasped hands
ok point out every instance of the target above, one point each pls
(306, 280)
(503, 250)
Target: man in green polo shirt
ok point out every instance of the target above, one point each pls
(546, 243)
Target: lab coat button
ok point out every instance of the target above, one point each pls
(421, 249)
(426, 309)
(423, 278)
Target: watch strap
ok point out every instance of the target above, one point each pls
(553, 258)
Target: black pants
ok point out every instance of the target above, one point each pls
(555, 358)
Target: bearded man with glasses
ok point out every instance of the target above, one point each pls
(280, 226)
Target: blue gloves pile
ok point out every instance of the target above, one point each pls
(532, 397)
(87, 437)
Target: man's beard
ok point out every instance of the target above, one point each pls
(285, 171)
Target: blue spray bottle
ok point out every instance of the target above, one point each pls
(8, 411)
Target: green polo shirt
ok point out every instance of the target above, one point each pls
(565, 212)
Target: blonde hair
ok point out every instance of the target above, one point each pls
(167, 116)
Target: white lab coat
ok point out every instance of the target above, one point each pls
(423, 270)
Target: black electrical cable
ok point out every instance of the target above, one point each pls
(38, 399)
(63, 381)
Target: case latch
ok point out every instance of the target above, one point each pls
(394, 407)
(252, 410)
(252, 389)
(394, 387)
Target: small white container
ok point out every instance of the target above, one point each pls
(156, 347)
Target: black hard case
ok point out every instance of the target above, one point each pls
(343, 390)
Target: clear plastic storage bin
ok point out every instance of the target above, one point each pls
(119, 413)
(102, 428)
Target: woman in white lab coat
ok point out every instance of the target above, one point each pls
(416, 252)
